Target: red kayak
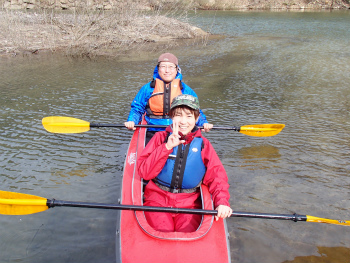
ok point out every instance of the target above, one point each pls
(138, 242)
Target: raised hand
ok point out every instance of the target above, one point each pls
(174, 138)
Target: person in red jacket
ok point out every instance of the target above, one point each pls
(176, 162)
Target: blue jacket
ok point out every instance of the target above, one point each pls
(138, 105)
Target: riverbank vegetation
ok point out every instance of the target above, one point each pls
(83, 32)
(94, 27)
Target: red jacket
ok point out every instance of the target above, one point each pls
(153, 158)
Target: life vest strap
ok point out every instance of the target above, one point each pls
(179, 167)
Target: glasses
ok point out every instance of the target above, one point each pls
(170, 67)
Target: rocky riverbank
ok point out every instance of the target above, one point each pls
(273, 4)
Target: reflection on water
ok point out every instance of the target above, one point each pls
(273, 67)
(258, 157)
(325, 255)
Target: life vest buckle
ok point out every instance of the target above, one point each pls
(175, 190)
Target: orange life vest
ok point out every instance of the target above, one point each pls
(158, 105)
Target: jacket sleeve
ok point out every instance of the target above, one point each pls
(138, 105)
(187, 90)
(153, 157)
(215, 177)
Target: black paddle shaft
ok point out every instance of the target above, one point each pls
(52, 203)
(99, 125)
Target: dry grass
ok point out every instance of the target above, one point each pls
(88, 33)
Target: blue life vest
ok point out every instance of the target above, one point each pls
(184, 168)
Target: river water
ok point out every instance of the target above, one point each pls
(272, 67)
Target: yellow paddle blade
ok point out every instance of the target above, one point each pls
(327, 221)
(58, 124)
(261, 130)
(21, 204)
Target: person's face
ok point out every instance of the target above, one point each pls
(184, 120)
(167, 71)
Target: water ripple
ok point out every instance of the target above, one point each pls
(272, 67)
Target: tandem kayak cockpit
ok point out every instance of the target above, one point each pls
(137, 241)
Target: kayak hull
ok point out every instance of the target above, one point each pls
(138, 242)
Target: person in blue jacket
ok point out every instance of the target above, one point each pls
(155, 97)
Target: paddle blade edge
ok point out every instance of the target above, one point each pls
(262, 130)
(327, 221)
(21, 204)
(59, 124)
